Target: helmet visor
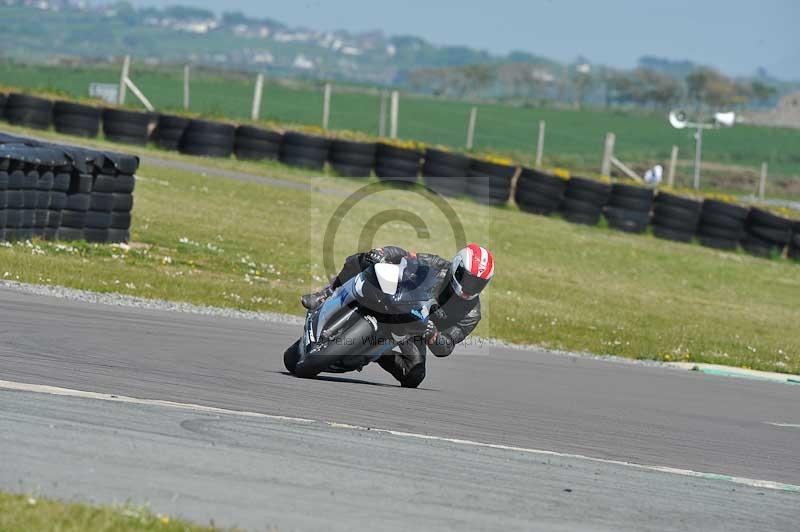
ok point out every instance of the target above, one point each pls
(471, 285)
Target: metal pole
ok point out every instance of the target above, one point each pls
(326, 106)
(186, 94)
(382, 117)
(762, 185)
(256, 113)
(673, 162)
(608, 154)
(126, 68)
(540, 143)
(698, 157)
(395, 114)
(473, 117)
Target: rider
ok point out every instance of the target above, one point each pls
(462, 280)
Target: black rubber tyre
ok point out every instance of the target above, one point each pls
(122, 203)
(74, 219)
(76, 119)
(720, 232)
(353, 342)
(397, 171)
(40, 218)
(78, 202)
(98, 219)
(124, 184)
(118, 235)
(96, 236)
(169, 131)
(529, 176)
(536, 190)
(103, 183)
(770, 234)
(499, 173)
(61, 182)
(128, 127)
(30, 111)
(676, 235)
(736, 212)
(630, 203)
(767, 219)
(301, 162)
(672, 200)
(583, 218)
(537, 204)
(355, 159)
(69, 234)
(349, 170)
(120, 220)
(102, 202)
(257, 144)
(627, 220)
(291, 356)
(621, 190)
(452, 186)
(29, 199)
(15, 199)
(721, 220)
(387, 151)
(676, 222)
(54, 219)
(304, 150)
(43, 199)
(457, 161)
(292, 138)
(586, 196)
(718, 243)
(578, 206)
(478, 189)
(435, 170)
(589, 185)
(58, 200)
(758, 247)
(13, 218)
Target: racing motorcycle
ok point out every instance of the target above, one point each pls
(365, 318)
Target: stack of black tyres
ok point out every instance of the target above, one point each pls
(629, 208)
(2, 104)
(169, 131)
(208, 139)
(766, 234)
(396, 164)
(794, 244)
(127, 127)
(256, 144)
(584, 200)
(58, 201)
(121, 208)
(538, 192)
(101, 202)
(29, 111)
(489, 183)
(352, 159)
(304, 151)
(676, 218)
(721, 225)
(15, 203)
(44, 188)
(446, 173)
(3, 201)
(76, 119)
(76, 207)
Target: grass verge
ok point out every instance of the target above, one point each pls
(215, 241)
(29, 513)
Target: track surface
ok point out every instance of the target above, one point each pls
(528, 399)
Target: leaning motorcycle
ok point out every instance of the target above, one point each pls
(364, 319)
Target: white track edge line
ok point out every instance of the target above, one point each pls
(67, 392)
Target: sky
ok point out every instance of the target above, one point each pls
(736, 36)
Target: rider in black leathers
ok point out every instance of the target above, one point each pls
(454, 320)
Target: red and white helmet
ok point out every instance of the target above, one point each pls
(471, 271)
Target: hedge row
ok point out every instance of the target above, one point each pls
(60, 192)
(625, 207)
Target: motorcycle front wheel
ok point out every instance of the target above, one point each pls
(291, 356)
(357, 340)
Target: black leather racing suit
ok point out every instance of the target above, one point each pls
(455, 319)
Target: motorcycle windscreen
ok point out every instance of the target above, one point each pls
(418, 282)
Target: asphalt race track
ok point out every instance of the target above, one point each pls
(263, 472)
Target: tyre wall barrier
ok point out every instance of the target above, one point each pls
(127, 127)
(721, 225)
(490, 183)
(397, 164)
(765, 233)
(58, 192)
(76, 119)
(446, 173)
(255, 144)
(352, 159)
(538, 192)
(208, 139)
(629, 208)
(675, 218)
(28, 111)
(169, 131)
(304, 151)
(794, 244)
(584, 200)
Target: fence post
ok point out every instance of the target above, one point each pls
(473, 118)
(608, 154)
(126, 68)
(393, 119)
(673, 162)
(762, 184)
(256, 113)
(382, 117)
(186, 94)
(326, 106)
(540, 143)
(698, 156)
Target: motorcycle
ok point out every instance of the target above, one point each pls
(365, 318)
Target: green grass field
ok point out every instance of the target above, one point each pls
(574, 139)
(209, 240)
(33, 514)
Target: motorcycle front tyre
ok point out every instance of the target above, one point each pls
(358, 340)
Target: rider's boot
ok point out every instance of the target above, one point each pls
(315, 300)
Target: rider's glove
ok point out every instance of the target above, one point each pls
(431, 332)
(375, 256)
